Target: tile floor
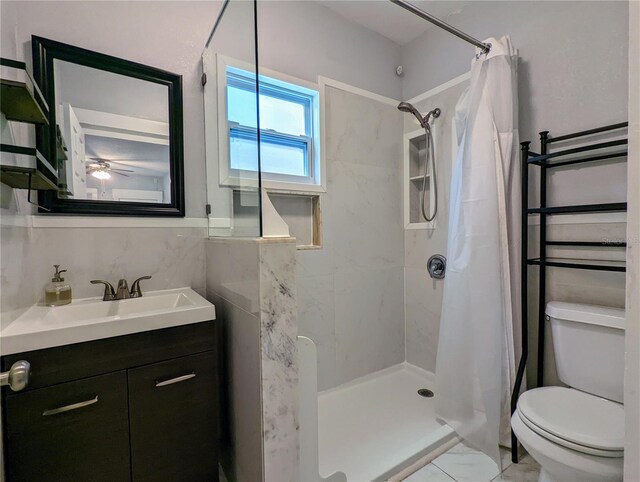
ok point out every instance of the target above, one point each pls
(464, 464)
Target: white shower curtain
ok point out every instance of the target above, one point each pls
(475, 367)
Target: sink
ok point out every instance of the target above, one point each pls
(92, 319)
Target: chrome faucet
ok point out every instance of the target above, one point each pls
(122, 292)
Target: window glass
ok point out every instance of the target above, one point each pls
(241, 106)
(282, 115)
(287, 126)
(284, 159)
(242, 152)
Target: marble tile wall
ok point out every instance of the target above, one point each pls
(173, 256)
(278, 335)
(423, 295)
(253, 283)
(350, 293)
(232, 273)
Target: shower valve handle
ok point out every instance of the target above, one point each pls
(437, 266)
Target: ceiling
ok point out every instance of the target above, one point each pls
(392, 21)
(142, 158)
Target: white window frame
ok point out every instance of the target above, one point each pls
(315, 181)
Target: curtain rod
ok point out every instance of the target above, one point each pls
(436, 21)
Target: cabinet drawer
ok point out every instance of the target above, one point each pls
(51, 366)
(173, 418)
(76, 431)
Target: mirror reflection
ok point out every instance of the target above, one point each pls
(116, 132)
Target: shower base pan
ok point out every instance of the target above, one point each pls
(374, 427)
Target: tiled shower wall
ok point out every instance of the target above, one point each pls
(350, 292)
(423, 295)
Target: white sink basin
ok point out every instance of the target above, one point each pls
(92, 319)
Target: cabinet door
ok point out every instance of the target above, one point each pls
(173, 414)
(75, 431)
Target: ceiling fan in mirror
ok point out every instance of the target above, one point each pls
(101, 169)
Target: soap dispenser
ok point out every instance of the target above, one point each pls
(58, 292)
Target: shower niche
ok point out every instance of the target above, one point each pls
(415, 156)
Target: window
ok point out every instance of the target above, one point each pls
(289, 130)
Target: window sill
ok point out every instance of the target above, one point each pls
(274, 186)
(302, 188)
(308, 247)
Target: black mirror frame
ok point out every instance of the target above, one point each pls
(44, 52)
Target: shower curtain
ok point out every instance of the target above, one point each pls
(475, 366)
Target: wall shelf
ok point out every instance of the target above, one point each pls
(582, 208)
(25, 178)
(596, 244)
(41, 177)
(608, 151)
(22, 101)
(595, 265)
(21, 98)
(544, 158)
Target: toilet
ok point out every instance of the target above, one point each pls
(576, 433)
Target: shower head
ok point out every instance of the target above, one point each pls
(410, 109)
(424, 121)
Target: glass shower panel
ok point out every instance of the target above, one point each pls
(231, 123)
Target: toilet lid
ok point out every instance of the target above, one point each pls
(579, 418)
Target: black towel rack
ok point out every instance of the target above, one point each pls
(612, 150)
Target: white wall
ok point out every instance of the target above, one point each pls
(632, 335)
(573, 59)
(167, 35)
(305, 39)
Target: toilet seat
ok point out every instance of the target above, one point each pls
(575, 420)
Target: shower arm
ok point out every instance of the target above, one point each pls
(485, 47)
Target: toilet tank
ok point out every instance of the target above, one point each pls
(588, 343)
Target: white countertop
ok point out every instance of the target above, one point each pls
(93, 319)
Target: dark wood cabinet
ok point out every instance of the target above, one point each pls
(73, 431)
(140, 407)
(173, 424)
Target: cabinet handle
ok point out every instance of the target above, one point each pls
(67, 408)
(171, 381)
(17, 377)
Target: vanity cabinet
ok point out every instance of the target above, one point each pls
(172, 419)
(72, 431)
(140, 407)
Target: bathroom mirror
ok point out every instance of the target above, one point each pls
(119, 126)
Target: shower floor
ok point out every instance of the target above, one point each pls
(374, 427)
